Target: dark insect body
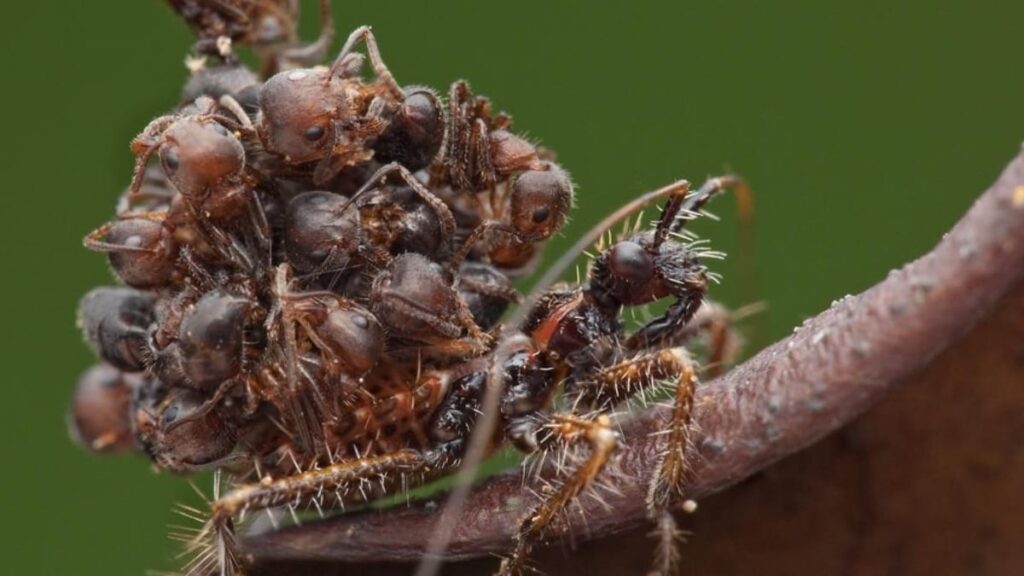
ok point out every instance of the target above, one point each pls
(318, 267)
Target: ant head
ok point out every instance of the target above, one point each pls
(195, 148)
(212, 338)
(177, 430)
(197, 154)
(353, 334)
(540, 202)
(99, 418)
(321, 232)
(299, 109)
(115, 322)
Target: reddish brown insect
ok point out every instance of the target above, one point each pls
(330, 119)
(513, 196)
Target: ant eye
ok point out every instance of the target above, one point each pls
(314, 133)
(541, 214)
(170, 159)
(629, 261)
(170, 414)
(220, 129)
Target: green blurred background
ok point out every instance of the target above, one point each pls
(864, 129)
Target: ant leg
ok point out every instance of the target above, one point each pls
(461, 349)
(282, 335)
(444, 327)
(566, 429)
(440, 208)
(509, 294)
(479, 234)
(312, 53)
(383, 74)
(216, 547)
(458, 136)
(482, 163)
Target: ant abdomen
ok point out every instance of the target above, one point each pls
(230, 79)
(398, 220)
(321, 232)
(486, 292)
(115, 321)
(414, 298)
(141, 251)
(354, 336)
(98, 418)
(212, 338)
(179, 429)
(416, 131)
(511, 153)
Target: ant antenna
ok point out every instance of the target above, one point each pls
(316, 50)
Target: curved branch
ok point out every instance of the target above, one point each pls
(833, 368)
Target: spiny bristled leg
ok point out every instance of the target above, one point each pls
(216, 549)
(612, 385)
(716, 324)
(567, 429)
(667, 487)
(616, 383)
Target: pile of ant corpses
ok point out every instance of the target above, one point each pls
(313, 264)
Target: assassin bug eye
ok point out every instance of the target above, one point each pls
(630, 262)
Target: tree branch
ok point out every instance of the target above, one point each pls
(787, 397)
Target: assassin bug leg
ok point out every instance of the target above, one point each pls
(566, 429)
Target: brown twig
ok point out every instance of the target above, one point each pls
(787, 397)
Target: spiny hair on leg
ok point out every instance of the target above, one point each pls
(669, 541)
